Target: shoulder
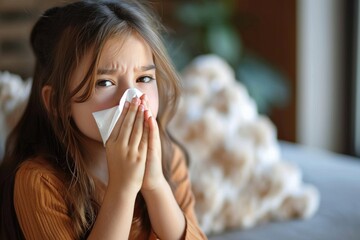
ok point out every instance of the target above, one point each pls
(36, 176)
(40, 201)
(179, 170)
(39, 168)
(179, 163)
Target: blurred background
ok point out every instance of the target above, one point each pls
(297, 58)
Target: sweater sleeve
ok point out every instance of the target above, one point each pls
(184, 195)
(40, 205)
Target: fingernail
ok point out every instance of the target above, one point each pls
(141, 107)
(143, 103)
(134, 100)
(127, 104)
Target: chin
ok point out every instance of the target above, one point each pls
(92, 141)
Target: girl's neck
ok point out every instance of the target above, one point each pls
(95, 156)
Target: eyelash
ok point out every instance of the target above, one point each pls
(144, 77)
(104, 82)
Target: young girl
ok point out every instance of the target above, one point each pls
(58, 181)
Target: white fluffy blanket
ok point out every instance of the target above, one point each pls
(239, 177)
(14, 93)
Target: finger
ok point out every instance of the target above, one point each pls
(121, 118)
(154, 137)
(143, 97)
(128, 122)
(147, 115)
(137, 130)
(115, 132)
(144, 101)
(143, 145)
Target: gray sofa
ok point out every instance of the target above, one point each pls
(338, 179)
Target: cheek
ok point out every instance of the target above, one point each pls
(84, 120)
(154, 106)
(153, 102)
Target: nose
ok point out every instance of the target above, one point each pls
(124, 84)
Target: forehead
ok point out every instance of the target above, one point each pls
(126, 50)
(119, 52)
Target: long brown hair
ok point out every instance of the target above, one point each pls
(60, 39)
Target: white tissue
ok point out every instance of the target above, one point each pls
(106, 119)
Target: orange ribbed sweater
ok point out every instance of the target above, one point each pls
(42, 211)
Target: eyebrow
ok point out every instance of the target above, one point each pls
(148, 68)
(105, 71)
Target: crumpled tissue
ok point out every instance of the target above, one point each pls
(106, 119)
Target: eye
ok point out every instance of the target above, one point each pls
(145, 79)
(104, 83)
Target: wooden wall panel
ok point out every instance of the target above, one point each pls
(269, 30)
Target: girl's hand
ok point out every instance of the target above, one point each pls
(154, 176)
(127, 147)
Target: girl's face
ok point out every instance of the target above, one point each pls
(124, 63)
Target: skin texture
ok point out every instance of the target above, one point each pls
(131, 160)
